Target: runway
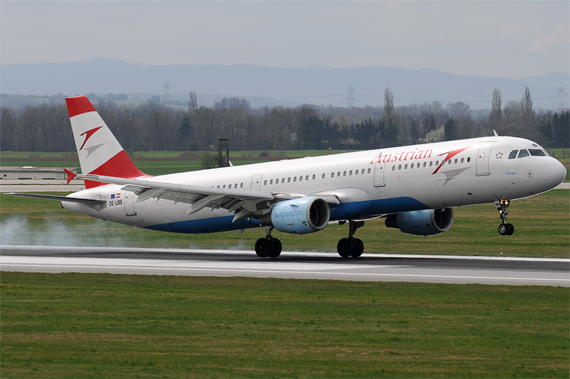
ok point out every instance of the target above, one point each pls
(295, 265)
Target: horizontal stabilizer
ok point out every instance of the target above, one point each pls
(59, 198)
(70, 175)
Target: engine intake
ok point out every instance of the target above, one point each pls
(299, 216)
(422, 223)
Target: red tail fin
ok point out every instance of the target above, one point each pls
(98, 150)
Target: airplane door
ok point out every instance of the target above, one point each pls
(483, 160)
(129, 202)
(256, 182)
(379, 180)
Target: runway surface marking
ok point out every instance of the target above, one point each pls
(241, 263)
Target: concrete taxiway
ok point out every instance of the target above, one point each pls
(306, 265)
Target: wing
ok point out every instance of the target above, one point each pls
(244, 203)
(59, 198)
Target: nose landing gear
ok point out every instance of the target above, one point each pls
(351, 247)
(505, 229)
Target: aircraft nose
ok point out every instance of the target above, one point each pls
(554, 172)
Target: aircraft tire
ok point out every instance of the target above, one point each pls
(343, 247)
(263, 247)
(510, 229)
(503, 229)
(356, 247)
(276, 248)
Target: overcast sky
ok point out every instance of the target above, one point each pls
(487, 38)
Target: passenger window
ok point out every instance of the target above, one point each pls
(462, 159)
(436, 163)
(235, 186)
(323, 175)
(283, 180)
(338, 173)
(344, 173)
(399, 167)
(523, 153)
(362, 171)
(307, 177)
(412, 165)
(449, 161)
(300, 178)
(406, 166)
(350, 172)
(314, 176)
(355, 172)
(430, 163)
(224, 186)
(271, 181)
(455, 161)
(332, 174)
(230, 186)
(513, 154)
(276, 181)
(265, 182)
(536, 153)
(241, 185)
(369, 171)
(393, 167)
(289, 180)
(468, 159)
(295, 179)
(425, 163)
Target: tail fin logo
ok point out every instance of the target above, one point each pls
(88, 135)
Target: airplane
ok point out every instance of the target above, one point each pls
(413, 187)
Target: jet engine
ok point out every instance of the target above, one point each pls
(299, 216)
(422, 223)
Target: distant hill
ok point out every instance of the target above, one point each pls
(271, 86)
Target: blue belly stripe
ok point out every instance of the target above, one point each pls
(344, 211)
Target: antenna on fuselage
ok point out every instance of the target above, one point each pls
(496, 135)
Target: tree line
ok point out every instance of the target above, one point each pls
(156, 126)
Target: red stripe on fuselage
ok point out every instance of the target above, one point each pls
(119, 166)
(78, 105)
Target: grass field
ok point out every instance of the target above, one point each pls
(104, 326)
(542, 230)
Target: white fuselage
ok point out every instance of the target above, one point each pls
(368, 184)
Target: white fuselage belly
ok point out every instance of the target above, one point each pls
(368, 184)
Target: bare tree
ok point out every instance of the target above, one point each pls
(527, 115)
(496, 114)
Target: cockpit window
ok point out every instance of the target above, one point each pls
(513, 154)
(523, 153)
(537, 152)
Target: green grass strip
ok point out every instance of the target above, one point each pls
(103, 326)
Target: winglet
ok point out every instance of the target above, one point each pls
(70, 175)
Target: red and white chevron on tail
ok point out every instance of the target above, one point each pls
(98, 150)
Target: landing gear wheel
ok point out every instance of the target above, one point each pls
(356, 247)
(276, 248)
(343, 247)
(351, 247)
(263, 247)
(505, 229)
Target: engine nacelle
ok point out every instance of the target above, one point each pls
(300, 216)
(422, 223)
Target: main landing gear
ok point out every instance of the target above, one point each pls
(504, 229)
(351, 247)
(268, 246)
